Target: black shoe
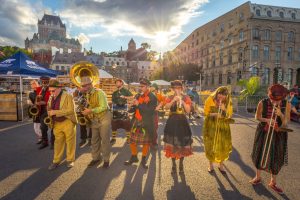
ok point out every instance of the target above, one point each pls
(133, 159)
(39, 142)
(82, 143)
(144, 163)
(113, 141)
(106, 164)
(93, 162)
(43, 145)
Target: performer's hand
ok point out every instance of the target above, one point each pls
(51, 113)
(223, 107)
(136, 102)
(86, 111)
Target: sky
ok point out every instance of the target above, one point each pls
(108, 25)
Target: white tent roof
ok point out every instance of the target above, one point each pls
(134, 83)
(161, 82)
(104, 74)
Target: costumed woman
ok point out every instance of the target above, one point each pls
(143, 127)
(270, 150)
(177, 132)
(216, 129)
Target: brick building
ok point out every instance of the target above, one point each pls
(249, 40)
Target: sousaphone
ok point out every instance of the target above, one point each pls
(81, 69)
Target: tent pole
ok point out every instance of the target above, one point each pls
(21, 97)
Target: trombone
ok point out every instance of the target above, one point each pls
(269, 137)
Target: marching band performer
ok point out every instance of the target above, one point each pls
(177, 132)
(32, 102)
(143, 127)
(216, 129)
(270, 143)
(61, 110)
(45, 94)
(100, 117)
(120, 119)
(160, 100)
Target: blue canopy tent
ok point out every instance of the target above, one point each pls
(20, 65)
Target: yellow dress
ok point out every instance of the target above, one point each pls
(221, 138)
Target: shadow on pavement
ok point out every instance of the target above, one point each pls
(180, 190)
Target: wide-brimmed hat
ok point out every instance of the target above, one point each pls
(145, 81)
(277, 92)
(45, 78)
(176, 83)
(155, 86)
(54, 83)
(119, 80)
(85, 80)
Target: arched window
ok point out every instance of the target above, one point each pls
(266, 76)
(257, 12)
(220, 78)
(281, 15)
(229, 57)
(269, 13)
(267, 34)
(278, 36)
(293, 15)
(229, 77)
(291, 36)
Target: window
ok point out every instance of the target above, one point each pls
(293, 15)
(57, 67)
(222, 44)
(221, 58)
(291, 36)
(241, 53)
(230, 39)
(212, 79)
(266, 76)
(267, 34)
(289, 77)
(222, 27)
(228, 77)
(277, 54)
(241, 16)
(214, 61)
(257, 12)
(197, 42)
(254, 71)
(239, 75)
(229, 57)
(255, 33)
(290, 54)
(266, 53)
(255, 52)
(63, 68)
(241, 35)
(281, 15)
(220, 78)
(278, 36)
(269, 13)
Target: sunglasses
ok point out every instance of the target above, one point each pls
(51, 91)
(141, 86)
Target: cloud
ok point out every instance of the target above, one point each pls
(18, 20)
(144, 18)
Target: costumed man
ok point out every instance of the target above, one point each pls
(85, 130)
(100, 117)
(177, 133)
(216, 130)
(31, 102)
(160, 100)
(270, 143)
(120, 119)
(196, 101)
(44, 94)
(61, 110)
(143, 127)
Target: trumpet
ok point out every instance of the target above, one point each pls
(179, 109)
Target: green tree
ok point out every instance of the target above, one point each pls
(146, 45)
(11, 50)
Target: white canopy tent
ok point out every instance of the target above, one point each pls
(104, 74)
(161, 82)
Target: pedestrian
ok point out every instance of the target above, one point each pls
(143, 127)
(270, 152)
(100, 117)
(43, 95)
(177, 132)
(32, 105)
(120, 118)
(61, 110)
(216, 130)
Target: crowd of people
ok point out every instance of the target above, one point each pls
(138, 115)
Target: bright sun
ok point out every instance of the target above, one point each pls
(161, 38)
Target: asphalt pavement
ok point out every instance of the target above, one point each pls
(24, 173)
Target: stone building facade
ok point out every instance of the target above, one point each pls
(250, 40)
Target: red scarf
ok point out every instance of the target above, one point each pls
(142, 99)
